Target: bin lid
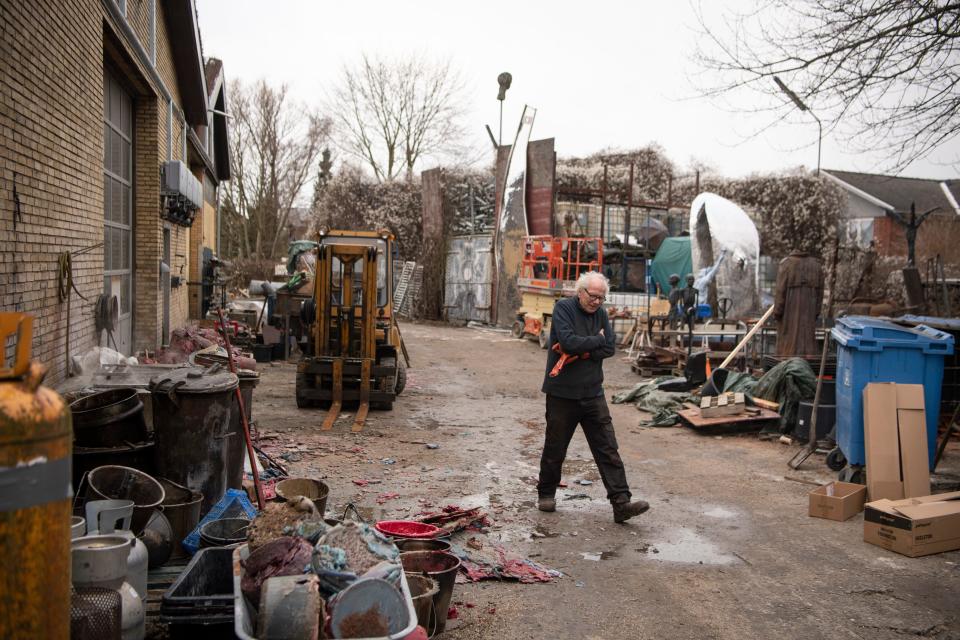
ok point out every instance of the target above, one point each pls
(865, 333)
(195, 380)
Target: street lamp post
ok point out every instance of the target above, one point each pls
(504, 80)
(800, 105)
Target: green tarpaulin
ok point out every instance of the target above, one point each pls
(673, 256)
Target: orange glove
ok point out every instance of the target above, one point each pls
(564, 359)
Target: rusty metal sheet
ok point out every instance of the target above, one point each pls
(469, 274)
(541, 171)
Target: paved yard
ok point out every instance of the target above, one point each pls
(726, 551)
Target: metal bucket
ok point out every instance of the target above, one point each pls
(415, 544)
(314, 490)
(123, 483)
(442, 567)
(181, 506)
(108, 418)
(423, 590)
(224, 532)
(136, 455)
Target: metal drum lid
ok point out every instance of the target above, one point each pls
(195, 380)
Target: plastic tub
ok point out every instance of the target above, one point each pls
(244, 625)
(874, 350)
(205, 587)
(407, 529)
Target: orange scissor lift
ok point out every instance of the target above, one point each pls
(549, 271)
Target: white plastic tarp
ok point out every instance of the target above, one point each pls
(718, 226)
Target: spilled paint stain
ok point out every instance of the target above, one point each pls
(687, 547)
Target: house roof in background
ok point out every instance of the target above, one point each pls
(900, 193)
(217, 99)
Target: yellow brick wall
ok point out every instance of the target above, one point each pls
(52, 58)
(51, 136)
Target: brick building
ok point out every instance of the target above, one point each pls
(99, 102)
(874, 202)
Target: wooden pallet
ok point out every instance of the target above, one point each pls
(754, 420)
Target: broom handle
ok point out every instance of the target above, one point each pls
(746, 338)
(243, 415)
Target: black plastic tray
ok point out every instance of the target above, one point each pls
(206, 584)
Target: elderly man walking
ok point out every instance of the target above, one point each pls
(581, 332)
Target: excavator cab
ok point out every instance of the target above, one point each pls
(354, 346)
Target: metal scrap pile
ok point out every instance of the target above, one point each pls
(187, 341)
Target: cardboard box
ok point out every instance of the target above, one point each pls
(895, 441)
(837, 501)
(914, 526)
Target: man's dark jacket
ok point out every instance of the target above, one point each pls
(578, 332)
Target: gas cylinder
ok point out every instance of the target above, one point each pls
(101, 561)
(35, 450)
(112, 517)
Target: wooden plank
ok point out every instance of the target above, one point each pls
(766, 404)
(743, 422)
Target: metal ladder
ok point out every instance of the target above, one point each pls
(399, 294)
(416, 283)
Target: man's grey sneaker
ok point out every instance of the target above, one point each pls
(546, 504)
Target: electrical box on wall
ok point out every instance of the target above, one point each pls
(181, 192)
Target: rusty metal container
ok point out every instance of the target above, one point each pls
(192, 424)
(35, 447)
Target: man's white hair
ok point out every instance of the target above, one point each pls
(584, 280)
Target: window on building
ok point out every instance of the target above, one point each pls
(858, 232)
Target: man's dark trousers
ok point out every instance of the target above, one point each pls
(563, 416)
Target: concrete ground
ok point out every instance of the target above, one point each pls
(726, 551)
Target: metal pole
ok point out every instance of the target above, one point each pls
(500, 138)
(603, 204)
(626, 232)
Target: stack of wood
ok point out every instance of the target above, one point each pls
(726, 404)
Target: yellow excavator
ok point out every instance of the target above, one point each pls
(354, 346)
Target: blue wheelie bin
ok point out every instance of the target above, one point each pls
(874, 350)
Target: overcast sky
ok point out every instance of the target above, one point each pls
(600, 73)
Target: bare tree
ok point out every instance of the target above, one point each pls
(392, 114)
(274, 145)
(882, 73)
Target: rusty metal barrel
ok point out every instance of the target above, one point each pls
(35, 447)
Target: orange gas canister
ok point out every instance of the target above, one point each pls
(35, 450)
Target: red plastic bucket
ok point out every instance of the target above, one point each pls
(407, 529)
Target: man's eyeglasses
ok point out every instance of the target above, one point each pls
(593, 298)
